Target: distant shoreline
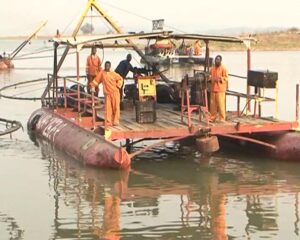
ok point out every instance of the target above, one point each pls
(288, 40)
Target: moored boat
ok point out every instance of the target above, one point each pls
(74, 121)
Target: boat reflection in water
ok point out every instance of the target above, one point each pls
(214, 198)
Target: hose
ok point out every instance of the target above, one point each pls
(22, 84)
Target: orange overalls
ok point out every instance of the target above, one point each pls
(219, 78)
(197, 49)
(112, 82)
(111, 218)
(93, 67)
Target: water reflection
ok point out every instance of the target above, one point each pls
(183, 196)
(11, 227)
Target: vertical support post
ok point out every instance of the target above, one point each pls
(78, 78)
(49, 94)
(206, 69)
(93, 110)
(188, 107)
(259, 103)
(238, 106)
(105, 112)
(54, 74)
(206, 107)
(183, 91)
(206, 66)
(182, 104)
(248, 68)
(297, 102)
(65, 93)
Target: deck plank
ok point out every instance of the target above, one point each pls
(170, 120)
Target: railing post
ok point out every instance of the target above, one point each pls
(238, 105)
(297, 102)
(206, 66)
(188, 107)
(248, 68)
(78, 78)
(65, 93)
(54, 77)
(93, 110)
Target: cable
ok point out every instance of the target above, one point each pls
(137, 15)
(35, 52)
(68, 25)
(38, 57)
(49, 49)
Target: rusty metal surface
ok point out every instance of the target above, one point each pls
(249, 139)
(253, 128)
(288, 146)
(297, 102)
(207, 144)
(153, 133)
(222, 128)
(79, 143)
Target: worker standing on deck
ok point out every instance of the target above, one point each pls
(123, 69)
(197, 48)
(219, 78)
(93, 67)
(112, 82)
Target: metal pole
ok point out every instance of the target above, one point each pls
(297, 102)
(93, 110)
(248, 68)
(188, 107)
(238, 105)
(78, 78)
(206, 69)
(206, 66)
(65, 93)
(54, 73)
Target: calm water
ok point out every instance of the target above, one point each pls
(171, 193)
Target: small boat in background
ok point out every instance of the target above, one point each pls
(6, 61)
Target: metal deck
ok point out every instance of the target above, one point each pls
(169, 124)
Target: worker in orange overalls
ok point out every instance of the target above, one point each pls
(112, 83)
(197, 48)
(93, 67)
(219, 78)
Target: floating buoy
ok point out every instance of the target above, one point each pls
(207, 144)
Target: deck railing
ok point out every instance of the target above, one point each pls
(59, 94)
(203, 108)
(258, 97)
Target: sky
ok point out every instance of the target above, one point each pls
(22, 16)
